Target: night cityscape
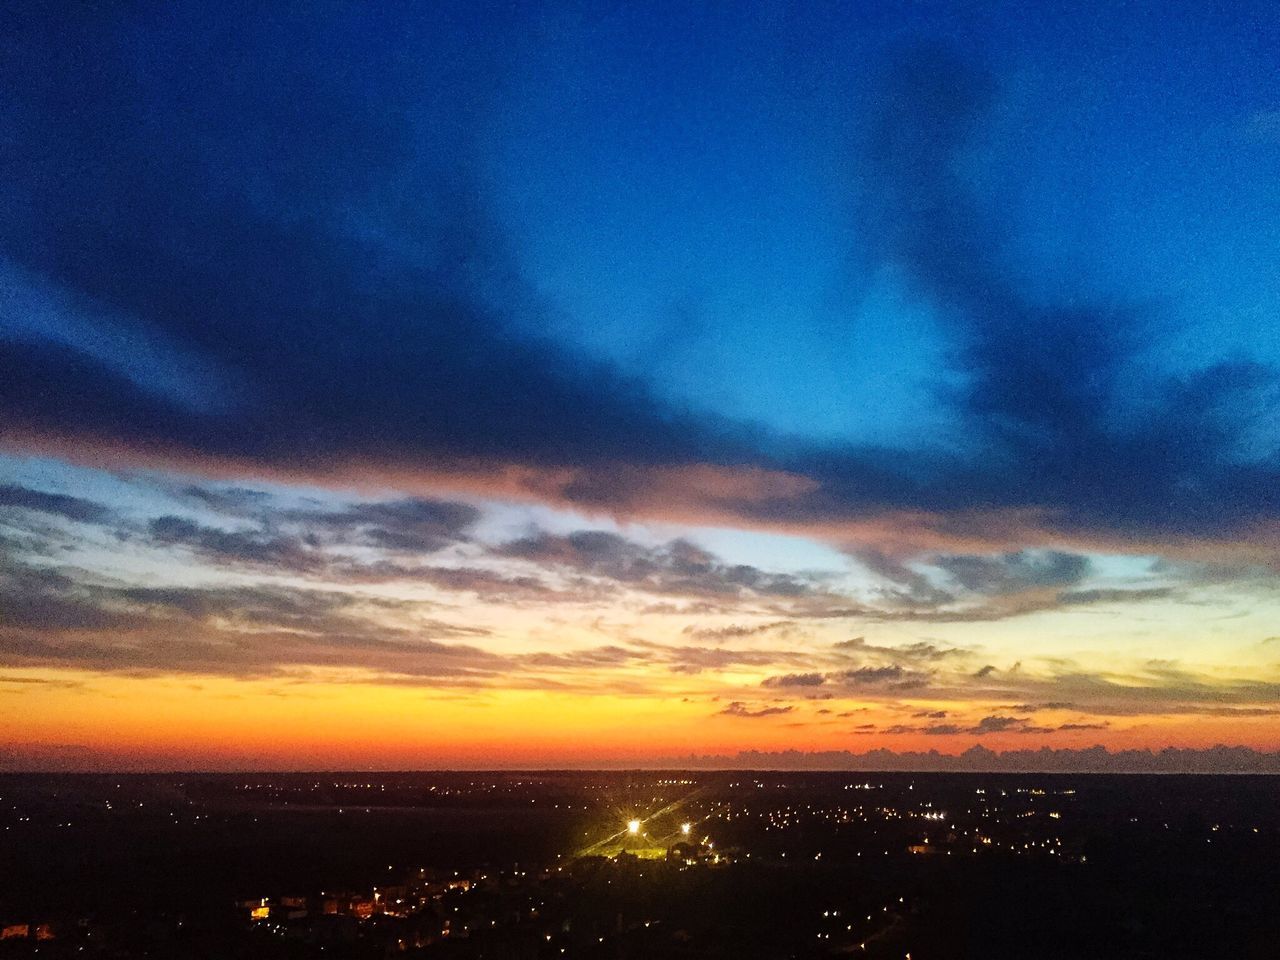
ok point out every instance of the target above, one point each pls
(762, 480)
(626, 864)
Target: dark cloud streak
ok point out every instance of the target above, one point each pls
(318, 242)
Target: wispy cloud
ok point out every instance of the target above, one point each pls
(739, 709)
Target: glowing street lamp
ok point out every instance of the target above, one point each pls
(633, 827)
(685, 828)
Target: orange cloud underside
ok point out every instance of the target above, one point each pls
(698, 494)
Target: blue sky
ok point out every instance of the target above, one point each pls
(694, 202)
(690, 197)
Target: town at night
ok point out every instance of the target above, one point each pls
(629, 864)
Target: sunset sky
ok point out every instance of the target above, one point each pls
(574, 383)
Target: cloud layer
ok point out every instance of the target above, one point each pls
(252, 585)
(299, 282)
(304, 284)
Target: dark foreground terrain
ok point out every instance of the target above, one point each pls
(639, 865)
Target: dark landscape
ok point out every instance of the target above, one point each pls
(545, 865)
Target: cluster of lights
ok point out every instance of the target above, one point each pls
(633, 828)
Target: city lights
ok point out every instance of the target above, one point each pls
(633, 827)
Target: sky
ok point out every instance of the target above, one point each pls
(579, 384)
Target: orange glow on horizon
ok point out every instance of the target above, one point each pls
(133, 723)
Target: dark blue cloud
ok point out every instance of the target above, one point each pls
(297, 207)
(678, 567)
(1050, 379)
(294, 200)
(58, 504)
(1015, 571)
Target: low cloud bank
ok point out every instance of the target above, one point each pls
(979, 759)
